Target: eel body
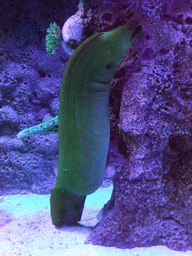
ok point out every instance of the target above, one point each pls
(84, 127)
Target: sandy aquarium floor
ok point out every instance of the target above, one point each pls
(26, 230)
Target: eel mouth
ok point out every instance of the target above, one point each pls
(136, 32)
(101, 86)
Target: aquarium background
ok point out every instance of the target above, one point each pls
(30, 84)
(150, 113)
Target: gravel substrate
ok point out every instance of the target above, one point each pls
(26, 230)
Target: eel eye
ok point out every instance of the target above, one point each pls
(108, 66)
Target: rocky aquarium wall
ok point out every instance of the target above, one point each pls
(150, 151)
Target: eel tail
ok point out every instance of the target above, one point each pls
(47, 127)
(66, 208)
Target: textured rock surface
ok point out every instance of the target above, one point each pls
(153, 188)
(151, 115)
(29, 93)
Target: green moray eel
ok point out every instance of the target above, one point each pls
(83, 122)
(84, 127)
